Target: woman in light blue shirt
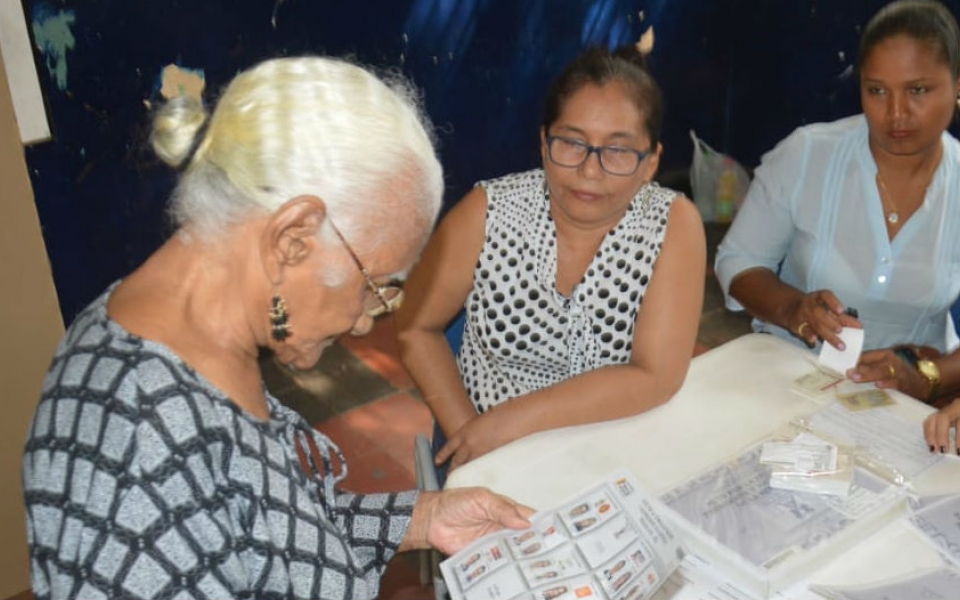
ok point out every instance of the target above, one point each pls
(864, 212)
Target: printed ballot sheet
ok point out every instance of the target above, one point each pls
(940, 523)
(699, 579)
(735, 505)
(939, 584)
(608, 543)
(888, 439)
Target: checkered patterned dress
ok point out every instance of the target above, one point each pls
(142, 480)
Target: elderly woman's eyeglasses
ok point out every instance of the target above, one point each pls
(386, 298)
(615, 160)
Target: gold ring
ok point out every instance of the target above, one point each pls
(800, 328)
(893, 371)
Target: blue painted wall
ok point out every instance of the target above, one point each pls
(743, 73)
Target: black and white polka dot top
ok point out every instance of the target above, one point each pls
(521, 334)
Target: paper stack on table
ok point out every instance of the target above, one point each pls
(808, 464)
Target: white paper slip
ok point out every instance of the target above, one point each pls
(840, 361)
(830, 485)
(801, 457)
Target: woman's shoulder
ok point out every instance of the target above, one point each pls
(816, 139)
(101, 363)
(512, 195)
(118, 397)
(829, 133)
(653, 194)
(91, 321)
(949, 169)
(658, 207)
(840, 128)
(951, 146)
(513, 184)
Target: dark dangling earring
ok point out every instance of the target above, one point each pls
(280, 328)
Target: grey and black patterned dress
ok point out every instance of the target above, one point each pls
(521, 334)
(142, 480)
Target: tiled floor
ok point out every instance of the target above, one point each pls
(362, 398)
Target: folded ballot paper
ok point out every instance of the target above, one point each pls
(808, 464)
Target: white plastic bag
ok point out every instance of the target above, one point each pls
(719, 183)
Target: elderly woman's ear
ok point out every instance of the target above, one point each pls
(290, 233)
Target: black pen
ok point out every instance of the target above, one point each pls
(852, 312)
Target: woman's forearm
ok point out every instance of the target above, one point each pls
(604, 394)
(766, 296)
(430, 362)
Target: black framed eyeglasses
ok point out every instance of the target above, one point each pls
(615, 160)
(386, 298)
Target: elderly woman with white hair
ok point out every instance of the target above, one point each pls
(157, 464)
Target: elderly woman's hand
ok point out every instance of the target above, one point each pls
(936, 428)
(451, 519)
(820, 315)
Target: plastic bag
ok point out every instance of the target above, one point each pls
(718, 182)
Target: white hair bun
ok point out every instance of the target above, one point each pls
(177, 129)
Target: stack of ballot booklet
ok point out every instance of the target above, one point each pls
(608, 543)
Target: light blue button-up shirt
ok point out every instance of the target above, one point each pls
(813, 215)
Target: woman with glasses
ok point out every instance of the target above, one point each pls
(157, 465)
(582, 281)
(864, 212)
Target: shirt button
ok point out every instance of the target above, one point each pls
(882, 279)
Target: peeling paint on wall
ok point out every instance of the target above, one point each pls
(53, 37)
(646, 42)
(180, 81)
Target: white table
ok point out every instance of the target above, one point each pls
(734, 396)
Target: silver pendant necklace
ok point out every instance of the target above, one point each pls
(893, 215)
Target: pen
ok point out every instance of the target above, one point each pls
(852, 312)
